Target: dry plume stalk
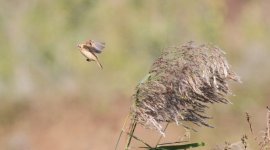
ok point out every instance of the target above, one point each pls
(265, 143)
(180, 84)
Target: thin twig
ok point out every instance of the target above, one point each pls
(162, 135)
(121, 132)
(268, 123)
(131, 131)
(249, 122)
(136, 138)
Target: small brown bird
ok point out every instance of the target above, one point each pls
(90, 48)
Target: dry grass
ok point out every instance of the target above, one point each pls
(262, 142)
(178, 88)
(180, 84)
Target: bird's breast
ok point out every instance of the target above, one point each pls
(88, 54)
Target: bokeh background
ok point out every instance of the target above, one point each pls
(51, 98)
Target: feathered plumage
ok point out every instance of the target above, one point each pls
(90, 48)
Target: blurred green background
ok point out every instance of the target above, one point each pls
(51, 98)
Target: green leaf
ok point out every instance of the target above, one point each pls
(145, 78)
(178, 147)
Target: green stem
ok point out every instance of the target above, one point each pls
(132, 129)
(121, 132)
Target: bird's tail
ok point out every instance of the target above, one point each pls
(99, 64)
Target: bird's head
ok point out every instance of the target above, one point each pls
(80, 46)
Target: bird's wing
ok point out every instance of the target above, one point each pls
(98, 46)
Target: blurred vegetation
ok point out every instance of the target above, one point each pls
(39, 40)
(39, 59)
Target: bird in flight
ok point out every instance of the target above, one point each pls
(90, 48)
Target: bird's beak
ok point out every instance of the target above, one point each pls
(78, 46)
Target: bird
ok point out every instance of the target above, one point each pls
(90, 48)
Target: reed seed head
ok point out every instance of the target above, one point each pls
(180, 85)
